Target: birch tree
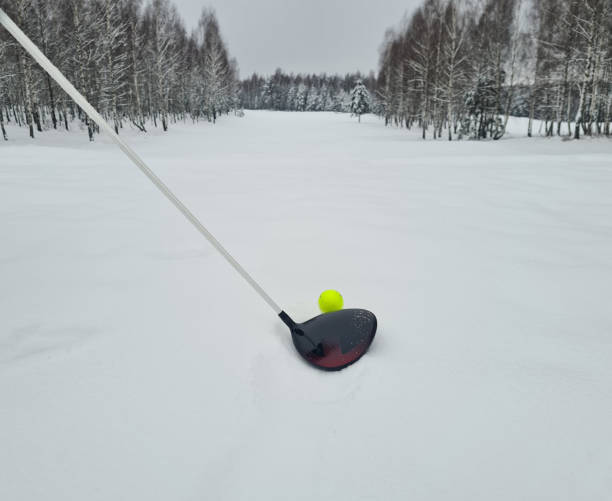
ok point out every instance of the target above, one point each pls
(160, 19)
(547, 60)
(114, 61)
(454, 57)
(5, 75)
(216, 67)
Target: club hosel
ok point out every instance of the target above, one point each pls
(287, 320)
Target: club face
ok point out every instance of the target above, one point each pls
(335, 340)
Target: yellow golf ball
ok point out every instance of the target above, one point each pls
(330, 300)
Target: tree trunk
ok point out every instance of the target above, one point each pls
(29, 115)
(42, 19)
(532, 99)
(608, 111)
(36, 116)
(2, 125)
(140, 122)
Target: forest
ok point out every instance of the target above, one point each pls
(451, 69)
(460, 68)
(283, 92)
(134, 62)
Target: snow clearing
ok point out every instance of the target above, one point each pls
(136, 364)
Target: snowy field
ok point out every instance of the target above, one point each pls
(136, 365)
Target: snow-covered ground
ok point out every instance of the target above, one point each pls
(136, 365)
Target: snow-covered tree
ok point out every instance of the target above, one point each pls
(217, 74)
(159, 25)
(4, 78)
(467, 65)
(114, 63)
(314, 100)
(130, 13)
(292, 98)
(302, 97)
(282, 91)
(25, 69)
(133, 62)
(360, 100)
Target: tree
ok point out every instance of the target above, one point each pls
(454, 55)
(4, 76)
(130, 12)
(360, 100)
(217, 75)
(115, 61)
(159, 24)
(25, 68)
(82, 52)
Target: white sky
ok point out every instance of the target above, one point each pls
(333, 36)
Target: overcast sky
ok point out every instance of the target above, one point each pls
(333, 36)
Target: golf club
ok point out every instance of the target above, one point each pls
(330, 342)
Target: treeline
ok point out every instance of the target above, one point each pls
(283, 92)
(134, 62)
(462, 67)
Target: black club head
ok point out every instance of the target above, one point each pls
(333, 341)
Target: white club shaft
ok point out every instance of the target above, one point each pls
(63, 82)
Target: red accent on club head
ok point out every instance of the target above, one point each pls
(335, 340)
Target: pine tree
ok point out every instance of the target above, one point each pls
(291, 98)
(360, 100)
(302, 96)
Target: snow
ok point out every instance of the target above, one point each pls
(135, 364)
